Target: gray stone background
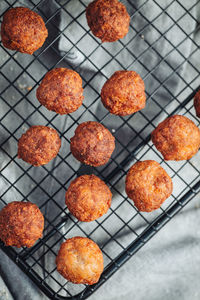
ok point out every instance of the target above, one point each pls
(167, 266)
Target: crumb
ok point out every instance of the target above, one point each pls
(22, 86)
(142, 36)
(29, 88)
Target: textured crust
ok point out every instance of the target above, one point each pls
(197, 103)
(123, 94)
(21, 224)
(88, 198)
(148, 185)
(23, 30)
(38, 145)
(92, 144)
(177, 138)
(61, 91)
(108, 19)
(80, 260)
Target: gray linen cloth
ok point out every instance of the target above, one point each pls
(168, 266)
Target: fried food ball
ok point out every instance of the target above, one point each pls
(148, 185)
(197, 103)
(21, 224)
(23, 30)
(38, 145)
(177, 138)
(61, 91)
(92, 144)
(108, 19)
(80, 260)
(88, 198)
(123, 93)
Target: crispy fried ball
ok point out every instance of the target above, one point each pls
(38, 145)
(177, 138)
(61, 91)
(197, 103)
(88, 198)
(92, 144)
(108, 19)
(21, 224)
(80, 260)
(148, 185)
(123, 94)
(23, 30)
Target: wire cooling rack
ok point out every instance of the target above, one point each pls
(20, 76)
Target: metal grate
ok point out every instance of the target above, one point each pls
(157, 50)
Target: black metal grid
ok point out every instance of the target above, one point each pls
(132, 232)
